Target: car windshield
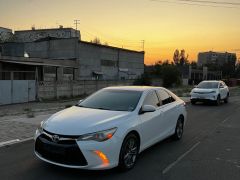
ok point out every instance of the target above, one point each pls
(114, 100)
(208, 85)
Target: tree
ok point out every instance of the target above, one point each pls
(176, 56)
(96, 40)
(144, 80)
(170, 75)
(180, 57)
(237, 70)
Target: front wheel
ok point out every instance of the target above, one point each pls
(129, 152)
(193, 102)
(218, 101)
(179, 129)
(226, 99)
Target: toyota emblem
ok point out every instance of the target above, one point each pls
(55, 138)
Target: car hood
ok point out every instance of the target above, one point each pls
(79, 120)
(200, 90)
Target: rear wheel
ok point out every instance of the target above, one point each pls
(129, 152)
(179, 129)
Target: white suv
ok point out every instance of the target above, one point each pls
(210, 91)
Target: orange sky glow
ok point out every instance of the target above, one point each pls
(165, 26)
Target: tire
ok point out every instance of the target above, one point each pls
(193, 102)
(226, 99)
(129, 152)
(179, 129)
(218, 101)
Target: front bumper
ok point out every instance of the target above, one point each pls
(79, 154)
(203, 97)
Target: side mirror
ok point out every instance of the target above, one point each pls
(147, 108)
(80, 101)
(221, 87)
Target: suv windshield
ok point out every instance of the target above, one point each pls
(114, 100)
(208, 85)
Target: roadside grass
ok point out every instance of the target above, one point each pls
(183, 91)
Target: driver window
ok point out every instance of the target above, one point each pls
(165, 98)
(221, 85)
(151, 99)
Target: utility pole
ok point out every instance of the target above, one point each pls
(143, 45)
(76, 22)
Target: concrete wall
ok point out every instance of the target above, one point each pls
(55, 90)
(33, 35)
(13, 49)
(90, 60)
(132, 61)
(91, 56)
(54, 49)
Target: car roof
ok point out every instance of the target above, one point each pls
(211, 81)
(133, 88)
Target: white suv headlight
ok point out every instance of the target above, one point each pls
(98, 136)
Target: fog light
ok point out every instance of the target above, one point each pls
(102, 156)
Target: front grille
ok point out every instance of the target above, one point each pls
(201, 92)
(64, 152)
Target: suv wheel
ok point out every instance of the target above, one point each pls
(218, 100)
(226, 99)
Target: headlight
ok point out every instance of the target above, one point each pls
(98, 136)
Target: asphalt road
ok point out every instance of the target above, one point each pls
(209, 150)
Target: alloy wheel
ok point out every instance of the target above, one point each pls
(179, 129)
(130, 152)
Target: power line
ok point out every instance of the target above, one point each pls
(211, 2)
(135, 45)
(185, 2)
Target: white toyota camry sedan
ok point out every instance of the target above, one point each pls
(110, 128)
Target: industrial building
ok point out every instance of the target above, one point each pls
(5, 34)
(216, 58)
(59, 54)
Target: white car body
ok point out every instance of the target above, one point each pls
(151, 127)
(203, 94)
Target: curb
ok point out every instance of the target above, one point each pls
(15, 141)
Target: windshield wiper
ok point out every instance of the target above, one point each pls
(103, 108)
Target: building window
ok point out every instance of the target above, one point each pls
(50, 70)
(111, 63)
(68, 71)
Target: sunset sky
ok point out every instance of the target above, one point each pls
(164, 25)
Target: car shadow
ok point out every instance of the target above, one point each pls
(141, 168)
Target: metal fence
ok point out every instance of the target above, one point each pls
(17, 87)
